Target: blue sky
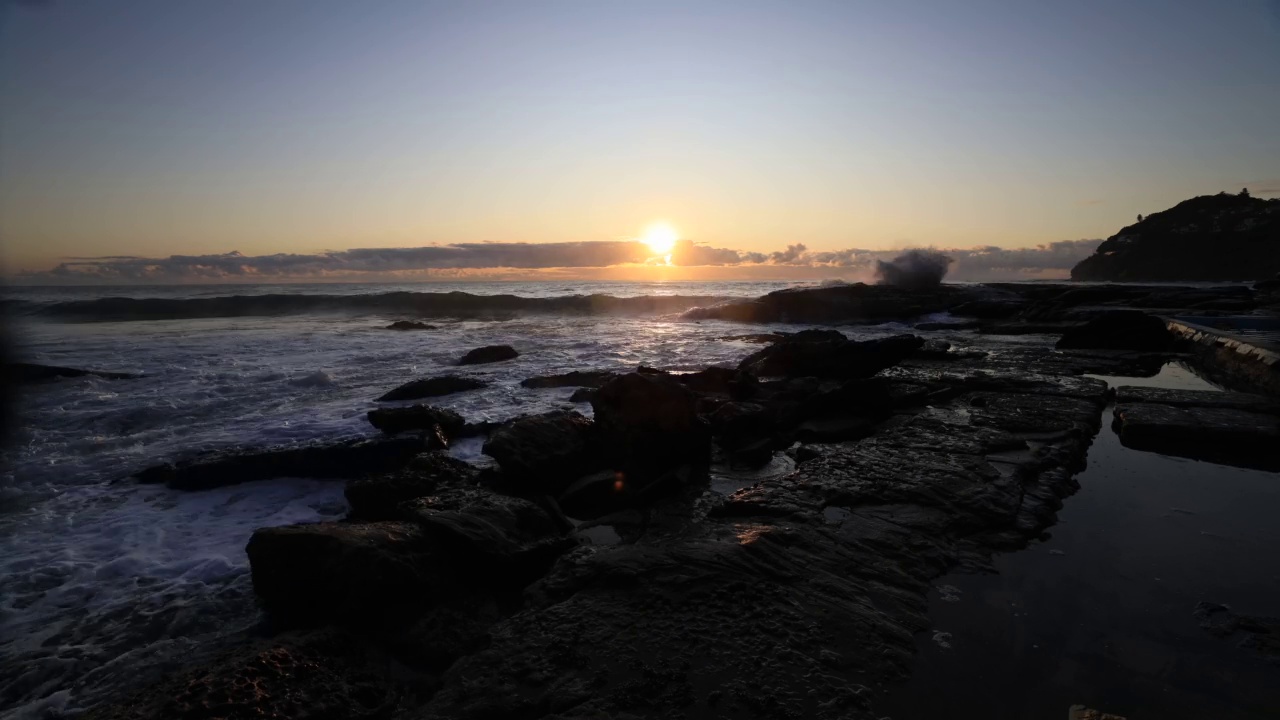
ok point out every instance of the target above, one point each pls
(139, 127)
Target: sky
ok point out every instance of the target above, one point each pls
(240, 140)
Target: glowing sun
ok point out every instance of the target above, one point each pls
(661, 238)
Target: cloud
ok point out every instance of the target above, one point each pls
(471, 259)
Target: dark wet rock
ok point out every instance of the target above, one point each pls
(494, 541)
(327, 674)
(582, 395)
(989, 309)
(1211, 237)
(720, 381)
(1257, 634)
(20, 373)
(1120, 330)
(648, 424)
(544, 453)
(830, 358)
(840, 304)
(577, 378)
(762, 338)
(432, 387)
(1226, 435)
(363, 574)
(489, 354)
(410, 325)
(417, 417)
(349, 459)
(952, 325)
(739, 424)
(378, 497)
(1127, 394)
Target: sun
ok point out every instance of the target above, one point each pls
(661, 238)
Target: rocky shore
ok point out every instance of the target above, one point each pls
(454, 591)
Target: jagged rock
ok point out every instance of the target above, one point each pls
(350, 459)
(840, 304)
(417, 417)
(326, 674)
(495, 541)
(544, 453)
(800, 356)
(648, 424)
(432, 387)
(1211, 237)
(364, 574)
(576, 378)
(410, 325)
(720, 381)
(378, 497)
(739, 424)
(20, 373)
(1120, 330)
(1128, 394)
(582, 395)
(489, 354)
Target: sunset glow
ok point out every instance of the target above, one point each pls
(661, 238)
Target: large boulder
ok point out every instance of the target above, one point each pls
(494, 541)
(348, 459)
(378, 497)
(825, 356)
(417, 417)
(544, 453)
(432, 387)
(1119, 330)
(720, 381)
(489, 354)
(648, 424)
(364, 574)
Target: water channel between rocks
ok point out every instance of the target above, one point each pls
(1102, 613)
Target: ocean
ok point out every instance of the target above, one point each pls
(108, 581)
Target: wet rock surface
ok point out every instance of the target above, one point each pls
(19, 373)
(432, 387)
(1226, 435)
(410, 325)
(577, 378)
(417, 417)
(1120, 330)
(489, 354)
(350, 459)
(544, 453)
(829, 355)
(379, 496)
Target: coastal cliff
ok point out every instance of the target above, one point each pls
(1211, 237)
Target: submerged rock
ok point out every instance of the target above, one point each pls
(350, 459)
(410, 325)
(1120, 330)
(544, 453)
(20, 373)
(489, 354)
(576, 378)
(1258, 634)
(417, 417)
(824, 356)
(432, 387)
